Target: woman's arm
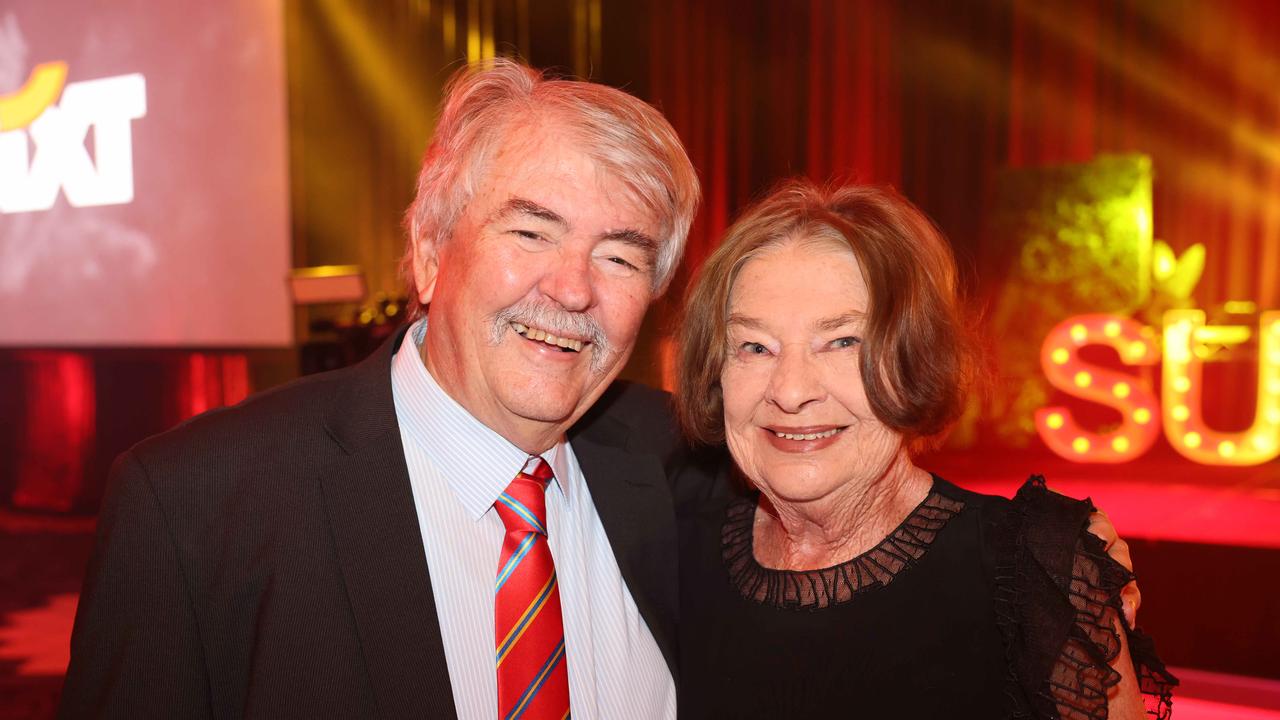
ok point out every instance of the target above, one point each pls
(1130, 597)
(1124, 701)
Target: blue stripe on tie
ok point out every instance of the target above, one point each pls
(530, 613)
(538, 680)
(514, 561)
(522, 511)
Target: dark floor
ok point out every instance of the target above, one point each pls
(42, 562)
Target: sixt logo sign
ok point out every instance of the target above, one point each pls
(43, 144)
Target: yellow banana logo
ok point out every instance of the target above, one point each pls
(43, 87)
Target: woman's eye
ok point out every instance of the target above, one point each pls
(753, 348)
(845, 342)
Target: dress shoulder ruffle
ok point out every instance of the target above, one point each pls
(1057, 598)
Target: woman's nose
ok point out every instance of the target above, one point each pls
(794, 383)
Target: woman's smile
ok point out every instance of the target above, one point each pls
(805, 439)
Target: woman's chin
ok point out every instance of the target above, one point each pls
(799, 491)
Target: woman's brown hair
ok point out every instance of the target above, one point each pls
(917, 351)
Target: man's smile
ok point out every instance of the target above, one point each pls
(539, 335)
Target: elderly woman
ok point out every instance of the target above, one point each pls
(824, 574)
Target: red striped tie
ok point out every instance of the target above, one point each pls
(533, 679)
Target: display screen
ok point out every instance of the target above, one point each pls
(143, 184)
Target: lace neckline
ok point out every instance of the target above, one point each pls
(815, 589)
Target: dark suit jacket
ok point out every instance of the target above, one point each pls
(265, 560)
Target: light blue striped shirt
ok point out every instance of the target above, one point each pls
(458, 467)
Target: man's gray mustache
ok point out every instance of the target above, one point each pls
(556, 321)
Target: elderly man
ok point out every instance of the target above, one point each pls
(441, 530)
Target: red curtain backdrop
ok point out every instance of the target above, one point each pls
(854, 109)
(60, 425)
(78, 409)
(937, 97)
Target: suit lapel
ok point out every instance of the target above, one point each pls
(379, 547)
(634, 503)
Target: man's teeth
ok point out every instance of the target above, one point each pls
(807, 436)
(548, 338)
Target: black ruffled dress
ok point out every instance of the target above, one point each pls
(976, 606)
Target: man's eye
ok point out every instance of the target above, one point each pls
(846, 342)
(623, 262)
(527, 234)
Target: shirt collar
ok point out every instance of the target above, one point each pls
(477, 463)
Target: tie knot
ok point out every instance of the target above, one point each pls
(538, 469)
(523, 506)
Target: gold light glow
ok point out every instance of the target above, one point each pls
(1083, 379)
(1192, 439)
(1142, 416)
(1054, 420)
(1222, 334)
(1060, 356)
(1120, 390)
(1080, 445)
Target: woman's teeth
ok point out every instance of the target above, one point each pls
(567, 344)
(807, 436)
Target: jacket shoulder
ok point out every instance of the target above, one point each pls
(268, 443)
(632, 415)
(270, 418)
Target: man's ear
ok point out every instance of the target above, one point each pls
(426, 268)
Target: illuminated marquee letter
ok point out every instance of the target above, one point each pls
(1131, 396)
(1184, 426)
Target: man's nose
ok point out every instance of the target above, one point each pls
(794, 382)
(569, 281)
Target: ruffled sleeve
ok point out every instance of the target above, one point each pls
(1057, 596)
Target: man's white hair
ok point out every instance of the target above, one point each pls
(629, 140)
